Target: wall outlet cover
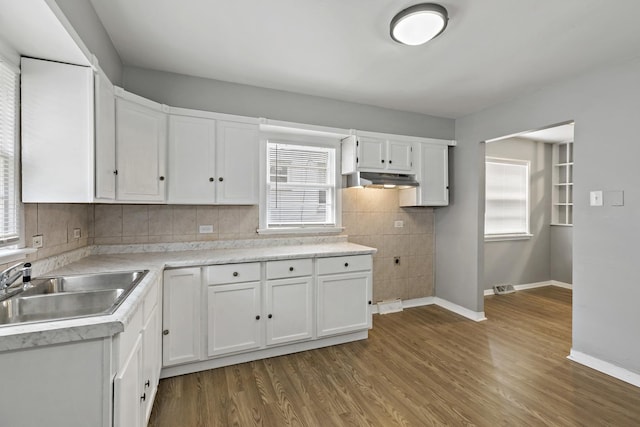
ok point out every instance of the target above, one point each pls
(595, 198)
(398, 224)
(77, 233)
(37, 241)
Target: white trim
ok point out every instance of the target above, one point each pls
(504, 237)
(605, 367)
(476, 316)
(132, 97)
(178, 111)
(300, 230)
(534, 285)
(406, 138)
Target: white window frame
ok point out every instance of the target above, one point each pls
(525, 234)
(14, 250)
(306, 141)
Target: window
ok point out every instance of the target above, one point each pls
(9, 203)
(507, 199)
(301, 186)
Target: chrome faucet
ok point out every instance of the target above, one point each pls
(7, 279)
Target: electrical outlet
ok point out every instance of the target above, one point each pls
(398, 224)
(595, 198)
(77, 233)
(205, 229)
(396, 259)
(37, 241)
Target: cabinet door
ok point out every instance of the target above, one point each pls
(57, 132)
(343, 303)
(105, 116)
(192, 175)
(127, 390)
(151, 361)
(400, 156)
(372, 153)
(237, 163)
(234, 318)
(141, 139)
(289, 310)
(434, 182)
(181, 316)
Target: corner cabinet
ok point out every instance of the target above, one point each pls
(141, 143)
(432, 174)
(262, 309)
(212, 161)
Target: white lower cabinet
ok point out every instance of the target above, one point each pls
(261, 309)
(289, 310)
(137, 364)
(234, 320)
(181, 320)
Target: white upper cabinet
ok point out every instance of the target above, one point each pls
(373, 152)
(141, 142)
(105, 128)
(192, 142)
(237, 163)
(433, 176)
(212, 161)
(57, 102)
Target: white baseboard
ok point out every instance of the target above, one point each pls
(534, 285)
(476, 316)
(605, 367)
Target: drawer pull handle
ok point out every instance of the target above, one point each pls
(211, 179)
(162, 178)
(258, 317)
(382, 161)
(346, 264)
(290, 268)
(270, 316)
(143, 397)
(165, 332)
(147, 384)
(390, 161)
(235, 274)
(221, 179)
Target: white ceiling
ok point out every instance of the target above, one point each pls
(563, 133)
(491, 51)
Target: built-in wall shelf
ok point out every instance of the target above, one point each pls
(562, 189)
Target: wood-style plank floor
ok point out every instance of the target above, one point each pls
(424, 366)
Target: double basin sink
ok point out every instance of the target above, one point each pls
(68, 297)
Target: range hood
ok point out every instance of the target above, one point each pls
(381, 180)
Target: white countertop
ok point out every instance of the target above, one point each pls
(20, 336)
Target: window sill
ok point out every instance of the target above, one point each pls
(9, 255)
(301, 230)
(505, 237)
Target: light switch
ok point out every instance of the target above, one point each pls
(595, 198)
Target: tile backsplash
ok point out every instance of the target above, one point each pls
(368, 215)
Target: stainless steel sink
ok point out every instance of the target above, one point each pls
(66, 297)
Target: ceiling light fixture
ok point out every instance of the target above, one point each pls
(418, 24)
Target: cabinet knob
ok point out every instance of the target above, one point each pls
(115, 172)
(148, 383)
(346, 264)
(211, 179)
(221, 179)
(162, 178)
(382, 161)
(235, 274)
(143, 397)
(290, 268)
(165, 332)
(270, 316)
(258, 317)
(369, 302)
(390, 161)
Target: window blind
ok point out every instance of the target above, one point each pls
(300, 185)
(507, 197)
(9, 205)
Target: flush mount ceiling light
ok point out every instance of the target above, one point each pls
(418, 24)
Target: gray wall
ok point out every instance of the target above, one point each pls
(520, 262)
(85, 21)
(223, 97)
(605, 107)
(561, 253)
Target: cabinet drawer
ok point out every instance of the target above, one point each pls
(344, 264)
(233, 273)
(289, 268)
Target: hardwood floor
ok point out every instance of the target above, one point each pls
(424, 366)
